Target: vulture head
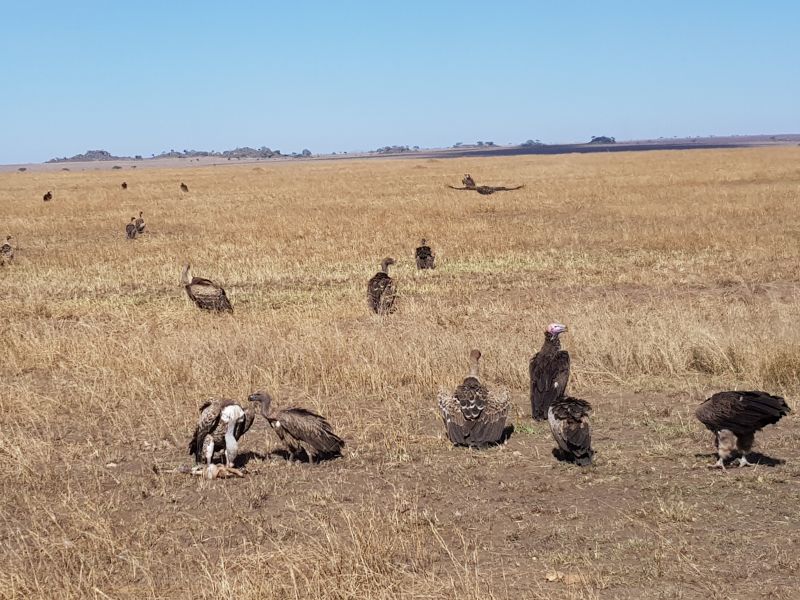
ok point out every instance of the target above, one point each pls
(263, 399)
(474, 358)
(141, 213)
(386, 262)
(554, 330)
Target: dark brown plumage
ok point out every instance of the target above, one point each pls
(140, 224)
(301, 430)
(474, 416)
(6, 252)
(734, 417)
(487, 190)
(221, 424)
(124, 185)
(184, 187)
(468, 181)
(48, 196)
(381, 292)
(205, 293)
(569, 424)
(549, 372)
(424, 256)
(130, 229)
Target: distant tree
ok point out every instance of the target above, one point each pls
(480, 143)
(22, 169)
(490, 143)
(137, 157)
(306, 152)
(416, 148)
(457, 144)
(602, 139)
(528, 143)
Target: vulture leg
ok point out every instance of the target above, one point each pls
(208, 448)
(726, 444)
(743, 444)
(743, 462)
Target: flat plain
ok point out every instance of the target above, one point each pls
(677, 273)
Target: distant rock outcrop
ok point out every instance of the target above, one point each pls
(90, 155)
(602, 139)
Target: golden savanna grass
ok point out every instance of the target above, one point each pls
(676, 272)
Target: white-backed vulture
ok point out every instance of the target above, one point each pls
(6, 252)
(130, 229)
(734, 417)
(205, 293)
(424, 256)
(140, 224)
(474, 416)
(381, 292)
(549, 372)
(221, 424)
(487, 190)
(48, 196)
(184, 187)
(300, 430)
(569, 424)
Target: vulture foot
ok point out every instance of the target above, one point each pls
(718, 465)
(743, 462)
(216, 471)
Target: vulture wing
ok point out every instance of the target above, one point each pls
(549, 378)
(569, 423)
(312, 429)
(208, 295)
(424, 257)
(507, 189)
(454, 422)
(452, 187)
(207, 423)
(473, 416)
(130, 231)
(243, 425)
(743, 413)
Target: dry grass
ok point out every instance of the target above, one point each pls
(677, 272)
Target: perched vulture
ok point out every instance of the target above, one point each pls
(549, 372)
(130, 229)
(468, 181)
(6, 252)
(424, 256)
(140, 224)
(48, 196)
(734, 417)
(184, 187)
(124, 185)
(486, 190)
(205, 293)
(381, 292)
(221, 424)
(301, 430)
(569, 423)
(474, 416)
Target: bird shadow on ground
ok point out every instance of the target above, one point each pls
(245, 457)
(301, 456)
(566, 457)
(754, 457)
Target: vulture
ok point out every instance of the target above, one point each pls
(140, 224)
(381, 292)
(734, 417)
(474, 416)
(130, 229)
(48, 196)
(549, 372)
(424, 256)
(468, 181)
(301, 430)
(569, 424)
(205, 293)
(221, 424)
(124, 185)
(184, 187)
(486, 190)
(6, 252)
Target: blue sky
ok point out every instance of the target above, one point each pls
(143, 77)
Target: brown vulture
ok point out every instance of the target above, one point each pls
(549, 372)
(424, 256)
(569, 424)
(381, 291)
(474, 416)
(6, 252)
(221, 424)
(124, 185)
(486, 190)
(140, 224)
(205, 293)
(184, 187)
(734, 417)
(130, 229)
(301, 430)
(468, 181)
(48, 196)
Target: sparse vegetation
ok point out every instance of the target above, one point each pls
(677, 273)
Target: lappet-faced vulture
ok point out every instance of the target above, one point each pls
(734, 417)
(549, 372)
(424, 256)
(569, 424)
(221, 424)
(381, 292)
(205, 293)
(301, 430)
(474, 416)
